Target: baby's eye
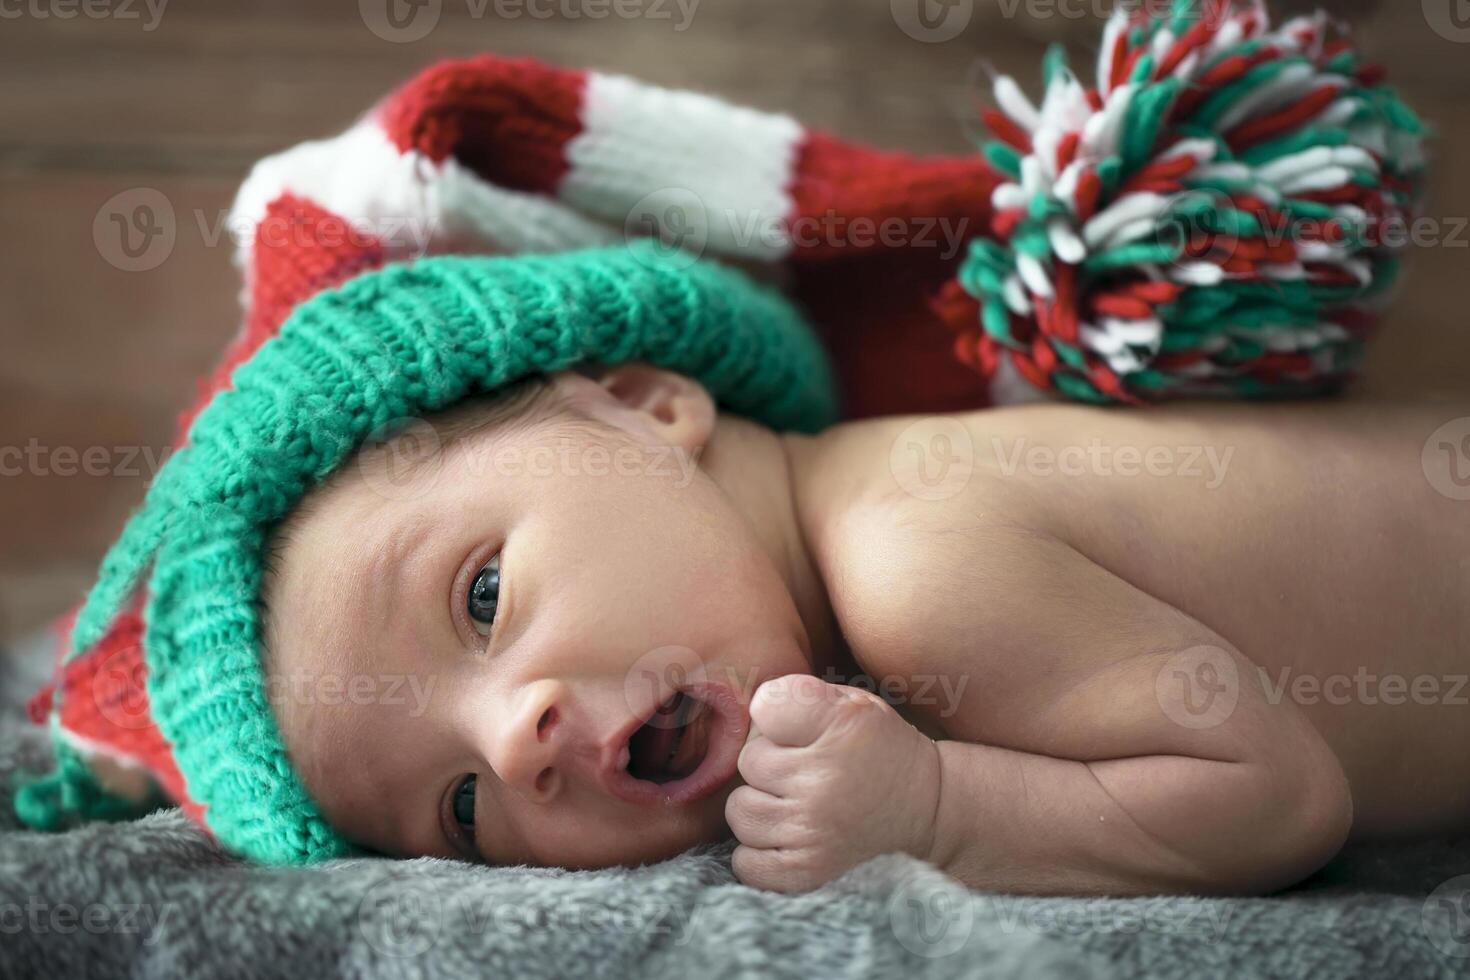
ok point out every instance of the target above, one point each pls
(464, 803)
(484, 597)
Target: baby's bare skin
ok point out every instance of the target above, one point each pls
(1294, 558)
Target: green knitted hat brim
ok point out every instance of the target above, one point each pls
(397, 343)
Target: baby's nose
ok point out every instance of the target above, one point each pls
(530, 755)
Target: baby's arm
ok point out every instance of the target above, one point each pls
(1119, 779)
(1155, 762)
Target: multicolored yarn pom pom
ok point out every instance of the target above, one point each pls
(1216, 216)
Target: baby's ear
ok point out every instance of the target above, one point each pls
(649, 403)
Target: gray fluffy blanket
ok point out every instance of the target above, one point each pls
(156, 898)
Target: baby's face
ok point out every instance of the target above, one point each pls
(535, 647)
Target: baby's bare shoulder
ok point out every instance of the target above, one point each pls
(915, 544)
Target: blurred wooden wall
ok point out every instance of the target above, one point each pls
(181, 104)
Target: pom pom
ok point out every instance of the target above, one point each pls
(1220, 212)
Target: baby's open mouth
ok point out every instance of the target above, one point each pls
(684, 750)
(672, 743)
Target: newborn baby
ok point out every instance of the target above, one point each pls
(1190, 650)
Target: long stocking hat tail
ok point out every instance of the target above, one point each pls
(511, 155)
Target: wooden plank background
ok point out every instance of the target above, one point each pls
(107, 97)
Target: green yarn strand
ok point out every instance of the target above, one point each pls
(70, 794)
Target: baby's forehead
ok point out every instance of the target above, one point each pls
(324, 560)
(335, 720)
(324, 609)
(340, 543)
(404, 459)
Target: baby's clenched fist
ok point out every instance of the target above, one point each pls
(833, 777)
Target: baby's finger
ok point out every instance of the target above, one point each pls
(794, 710)
(772, 869)
(766, 765)
(756, 819)
(764, 868)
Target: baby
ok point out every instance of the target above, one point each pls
(575, 615)
(572, 613)
(1188, 650)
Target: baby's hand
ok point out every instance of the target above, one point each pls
(833, 777)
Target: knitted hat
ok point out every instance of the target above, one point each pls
(164, 674)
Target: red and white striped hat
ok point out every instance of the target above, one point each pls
(510, 155)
